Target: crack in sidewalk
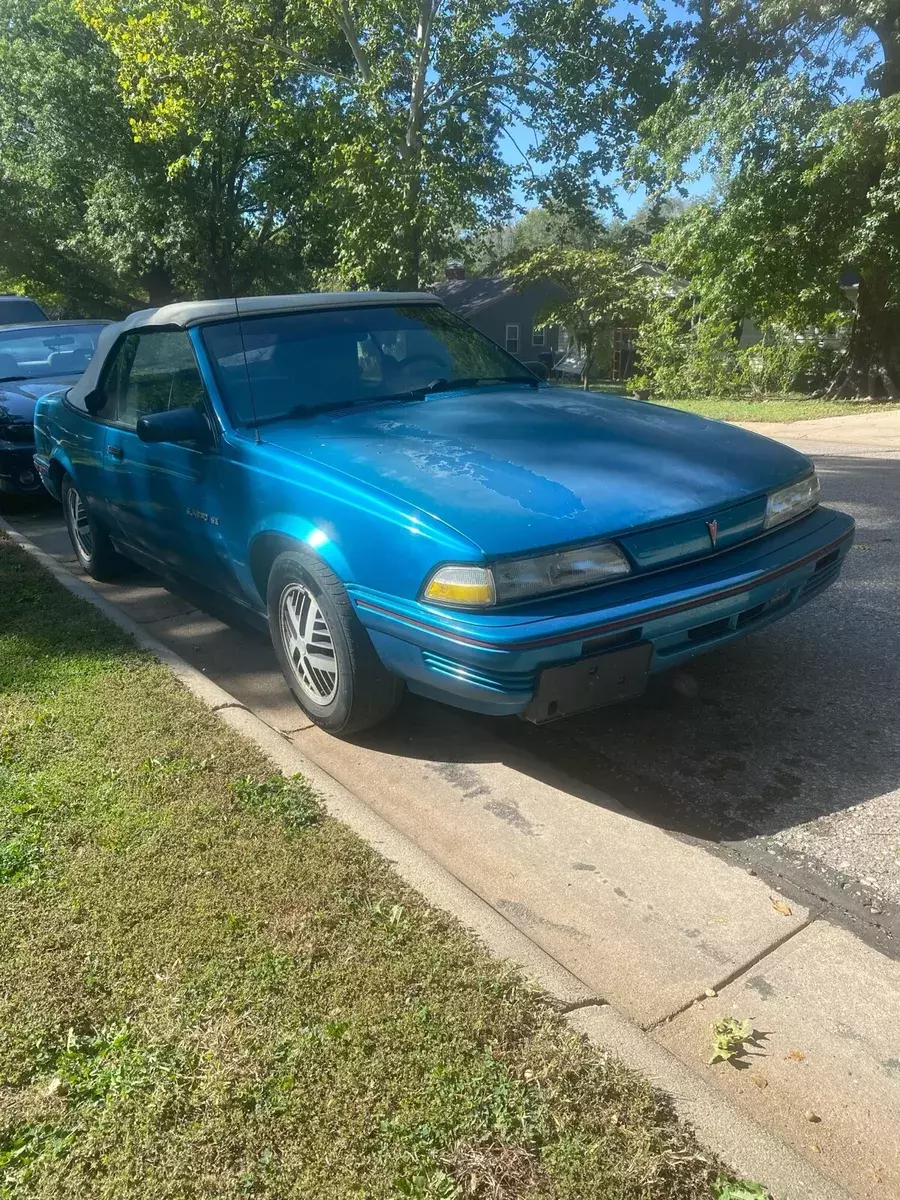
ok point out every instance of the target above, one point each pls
(737, 973)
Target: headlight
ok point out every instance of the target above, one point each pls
(522, 578)
(792, 501)
(519, 578)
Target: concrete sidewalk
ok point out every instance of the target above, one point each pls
(655, 929)
(872, 430)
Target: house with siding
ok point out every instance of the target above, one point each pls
(507, 314)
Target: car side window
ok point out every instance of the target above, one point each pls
(152, 373)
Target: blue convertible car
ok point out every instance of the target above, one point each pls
(406, 504)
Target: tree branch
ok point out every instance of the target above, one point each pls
(307, 67)
(415, 121)
(348, 28)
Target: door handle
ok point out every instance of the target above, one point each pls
(115, 452)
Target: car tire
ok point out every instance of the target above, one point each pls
(325, 654)
(90, 541)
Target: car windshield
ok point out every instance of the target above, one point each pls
(46, 353)
(300, 363)
(21, 309)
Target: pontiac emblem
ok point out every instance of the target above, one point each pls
(713, 527)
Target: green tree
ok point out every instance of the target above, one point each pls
(601, 291)
(540, 228)
(238, 146)
(636, 234)
(103, 214)
(412, 102)
(60, 121)
(192, 147)
(795, 109)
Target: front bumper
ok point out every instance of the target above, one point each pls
(18, 475)
(491, 663)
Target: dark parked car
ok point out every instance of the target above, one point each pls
(35, 359)
(408, 505)
(17, 309)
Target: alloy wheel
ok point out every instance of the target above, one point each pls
(79, 524)
(308, 644)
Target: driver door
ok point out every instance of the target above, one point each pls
(162, 498)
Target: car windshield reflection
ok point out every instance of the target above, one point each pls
(298, 364)
(47, 353)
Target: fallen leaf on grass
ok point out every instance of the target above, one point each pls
(780, 906)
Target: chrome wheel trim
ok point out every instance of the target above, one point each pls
(79, 524)
(308, 644)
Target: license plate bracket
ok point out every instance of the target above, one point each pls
(590, 683)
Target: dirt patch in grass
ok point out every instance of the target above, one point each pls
(210, 989)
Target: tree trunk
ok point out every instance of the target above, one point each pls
(158, 282)
(411, 267)
(586, 373)
(872, 364)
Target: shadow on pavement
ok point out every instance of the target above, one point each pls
(787, 727)
(780, 729)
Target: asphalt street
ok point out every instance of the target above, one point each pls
(781, 751)
(784, 748)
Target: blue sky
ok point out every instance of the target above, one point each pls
(522, 139)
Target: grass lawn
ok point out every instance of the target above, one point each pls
(793, 407)
(778, 408)
(210, 989)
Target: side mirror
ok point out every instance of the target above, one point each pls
(538, 368)
(176, 425)
(95, 400)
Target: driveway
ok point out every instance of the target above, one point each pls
(782, 752)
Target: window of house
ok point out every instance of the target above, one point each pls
(512, 339)
(538, 337)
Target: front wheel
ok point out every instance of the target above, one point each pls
(90, 541)
(326, 656)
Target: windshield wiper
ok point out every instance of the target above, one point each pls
(13, 378)
(447, 385)
(408, 397)
(304, 410)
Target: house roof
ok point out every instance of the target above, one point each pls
(468, 296)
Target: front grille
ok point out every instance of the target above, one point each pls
(693, 538)
(713, 629)
(820, 579)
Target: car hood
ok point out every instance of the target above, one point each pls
(17, 400)
(514, 469)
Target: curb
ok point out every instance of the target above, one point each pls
(749, 1149)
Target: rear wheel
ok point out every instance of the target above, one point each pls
(326, 656)
(90, 541)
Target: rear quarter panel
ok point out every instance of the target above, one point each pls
(62, 437)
